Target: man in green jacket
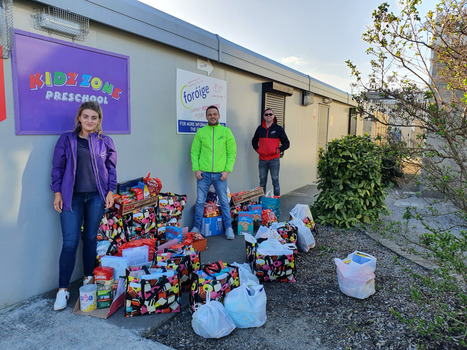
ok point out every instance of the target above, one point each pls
(213, 153)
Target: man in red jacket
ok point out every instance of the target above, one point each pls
(269, 141)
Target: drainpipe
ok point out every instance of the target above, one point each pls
(218, 48)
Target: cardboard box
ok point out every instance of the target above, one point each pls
(212, 226)
(172, 232)
(125, 186)
(245, 222)
(256, 209)
(199, 245)
(248, 195)
(123, 209)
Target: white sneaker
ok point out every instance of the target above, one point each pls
(229, 233)
(87, 280)
(61, 299)
(195, 230)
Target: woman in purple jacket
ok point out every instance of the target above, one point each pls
(84, 177)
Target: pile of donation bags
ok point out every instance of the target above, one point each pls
(270, 256)
(154, 260)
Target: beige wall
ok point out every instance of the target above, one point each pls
(29, 227)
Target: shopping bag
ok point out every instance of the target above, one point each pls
(185, 260)
(246, 305)
(217, 279)
(271, 202)
(152, 291)
(355, 274)
(305, 239)
(270, 260)
(245, 274)
(303, 212)
(211, 320)
(150, 242)
(170, 206)
(287, 231)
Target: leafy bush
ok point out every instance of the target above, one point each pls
(350, 184)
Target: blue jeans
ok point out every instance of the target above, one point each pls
(87, 210)
(273, 166)
(202, 187)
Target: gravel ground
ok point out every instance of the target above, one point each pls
(313, 313)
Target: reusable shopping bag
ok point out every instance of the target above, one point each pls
(271, 202)
(287, 231)
(217, 279)
(270, 260)
(155, 291)
(185, 260)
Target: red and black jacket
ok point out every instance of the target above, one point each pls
(269, 143)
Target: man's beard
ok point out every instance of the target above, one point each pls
(216, 123)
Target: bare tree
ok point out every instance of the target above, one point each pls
(419, 79)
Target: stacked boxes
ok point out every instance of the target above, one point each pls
(104, 278)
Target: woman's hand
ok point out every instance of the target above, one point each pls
(58, 202)
(109, 200)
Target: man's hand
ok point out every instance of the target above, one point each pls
(225, 175)
(198, 174)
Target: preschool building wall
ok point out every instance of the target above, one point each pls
(30, 227)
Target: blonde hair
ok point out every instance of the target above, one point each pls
(96, 107)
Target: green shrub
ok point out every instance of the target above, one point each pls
(350, 184)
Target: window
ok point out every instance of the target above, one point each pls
(274, 96)
(277, 103)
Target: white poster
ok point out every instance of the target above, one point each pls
(195, 93)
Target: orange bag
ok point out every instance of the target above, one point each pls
(150, 242)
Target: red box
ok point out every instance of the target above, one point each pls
(200, 245)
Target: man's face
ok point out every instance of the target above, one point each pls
(268, 116)
(212, 116)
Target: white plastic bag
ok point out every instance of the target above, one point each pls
(211, 320)
(246, 305)
(305, 241)
(273, 247)
(301, 211)
(245, 274)
(355, 274)
(266, 232)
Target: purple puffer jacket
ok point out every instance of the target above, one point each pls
(104, 162)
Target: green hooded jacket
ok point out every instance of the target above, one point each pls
(213, 149)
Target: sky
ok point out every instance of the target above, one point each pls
(315, 37)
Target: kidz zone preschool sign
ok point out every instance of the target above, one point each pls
(51, 78)
(195, 93)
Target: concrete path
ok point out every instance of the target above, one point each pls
(33, 324)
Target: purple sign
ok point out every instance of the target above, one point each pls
(51, 78)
